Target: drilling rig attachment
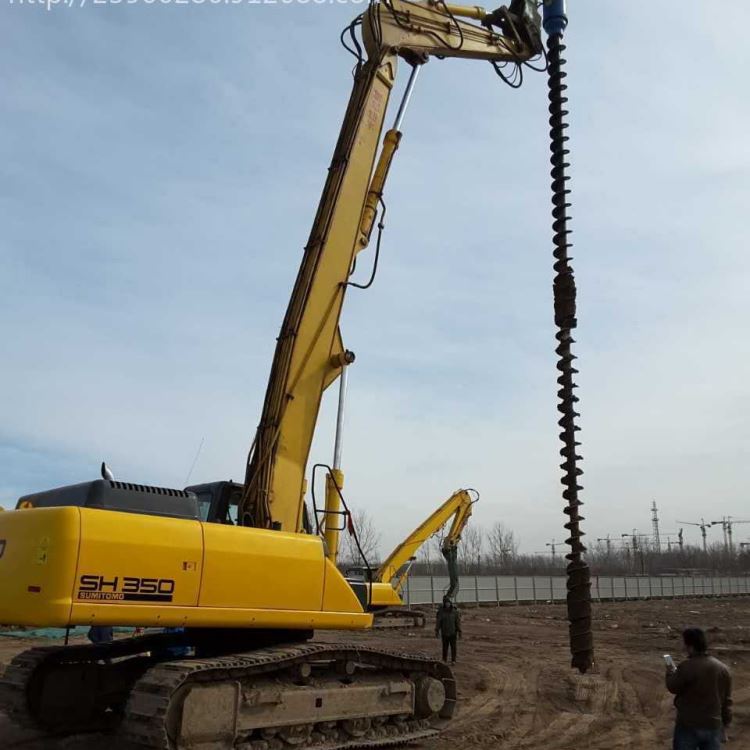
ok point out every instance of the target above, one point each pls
(564, 288)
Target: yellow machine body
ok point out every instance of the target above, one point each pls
(81, 566)
(384, 596)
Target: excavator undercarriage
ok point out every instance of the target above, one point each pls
(322, 695)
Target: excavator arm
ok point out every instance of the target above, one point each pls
(309, 353)
(389, 579)
(449, 548)
(395, 569)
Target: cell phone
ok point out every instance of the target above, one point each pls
(669, 661)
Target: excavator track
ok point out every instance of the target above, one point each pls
(160, 713)
(14, 682)
(321, 696)
(68, 689)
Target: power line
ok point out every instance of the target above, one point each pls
(195, 460)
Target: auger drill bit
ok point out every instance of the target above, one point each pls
(564, 287)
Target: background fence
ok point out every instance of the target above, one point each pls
(532, 589)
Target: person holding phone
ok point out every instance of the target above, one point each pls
(702, 686)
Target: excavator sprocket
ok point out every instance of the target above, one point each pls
(311, 695)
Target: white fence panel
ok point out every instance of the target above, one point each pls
(532, 589)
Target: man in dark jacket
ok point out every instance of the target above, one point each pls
(448, 625)
(702, 687)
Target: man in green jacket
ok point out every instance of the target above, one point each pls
(448, 625)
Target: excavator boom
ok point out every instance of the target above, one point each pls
(458, 505)
(309, 352)
(389, 579)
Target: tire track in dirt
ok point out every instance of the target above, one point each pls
(517, 692)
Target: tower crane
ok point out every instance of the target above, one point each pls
(727, 523)
(553, 545)
(702, 526)
(608, 543)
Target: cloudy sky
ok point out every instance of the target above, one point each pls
(161, 165)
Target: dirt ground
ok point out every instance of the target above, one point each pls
(516, 690)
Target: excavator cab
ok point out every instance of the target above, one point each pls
(218, 501)
(358, 573)
(362, 573)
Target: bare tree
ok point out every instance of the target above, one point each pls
(425, 556)
(368, 536)
(470, 549)
(502, 545)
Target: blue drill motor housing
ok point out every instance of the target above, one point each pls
(554, 17)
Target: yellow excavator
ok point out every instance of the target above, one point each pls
(389, 579)
(233, 573)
